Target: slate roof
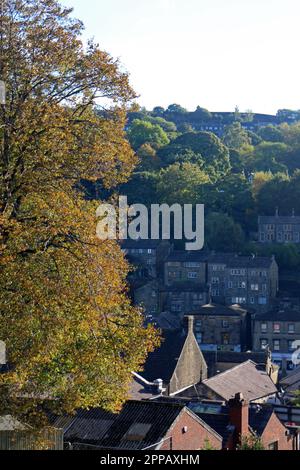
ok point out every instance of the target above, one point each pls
(139, 244)
(245, 378)
(280, 219)
(220, 310)
(279, 315)
(86, 425)
(141, 424)
(291, 383)
(187, 256)
(259, 418)
(188, 286)
(220, 423)
(161, 363)
(213, 358)
(250, 262)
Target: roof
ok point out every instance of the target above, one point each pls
(220, 258)
(86, 425)
(140, 244)
(245, 378)
(291, 383)
(235, 357)
(220, 310)
(187, 256)
(140, 389)
(141, 424)
(161, 363)
(250, 262)
(280, 219)
(279, 315)
(259, 416)
(188, 286)
(9, 423)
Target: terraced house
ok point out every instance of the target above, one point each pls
(279, 229)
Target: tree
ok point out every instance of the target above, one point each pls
(71, 334)
(259, 180)
(148, 158)
(235, 136)
(176, 109)
(267, 157)
(202, 114)
(182, 184)
(143, 132)
(251, 442)
(223, 234)
(211, 149)
(271, 133)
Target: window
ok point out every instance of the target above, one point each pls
(215, 292)
(287, 228)
(291, 328)
(262, 301)
(254, 287)
(191, 264)
(264, 287)
(238, 272)
(153, 293)
(252, 300)
(297, 237)
(242, 285)
(263, 344)
(279, 236)
(149, 251)
(230, 285)
(239, 300)
(276, 345)
(263, 327)
(276, 327)
(199, 337)
(176, 307)
(215, 280)
(262, 236)
(273, 446)
(225, 339)
(192, 275)
(225, 323)
(198, 325)
(174, 274)
(141, 251)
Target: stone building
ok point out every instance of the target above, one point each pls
(278, 330)
(182, 266)
(147, 256)
(251, 282)
(183, 298)
(279, 228)
(225, 328)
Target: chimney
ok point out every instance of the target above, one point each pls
(239, 416)
(158, 384)
(189, 324)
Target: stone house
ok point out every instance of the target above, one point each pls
(183, 266)
(278, 330)
(225, 328)
(182, 298)
(251, 282)
(279, 229)
(147, 256)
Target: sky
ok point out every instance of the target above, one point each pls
(217, 54)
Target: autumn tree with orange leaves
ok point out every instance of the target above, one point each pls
(71, 334)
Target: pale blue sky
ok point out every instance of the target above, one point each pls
(212, 53)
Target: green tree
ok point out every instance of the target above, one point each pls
(223, 234)
(235, 136)
(214, 153)
(271, 134)
(143, 132)
(182, 184)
